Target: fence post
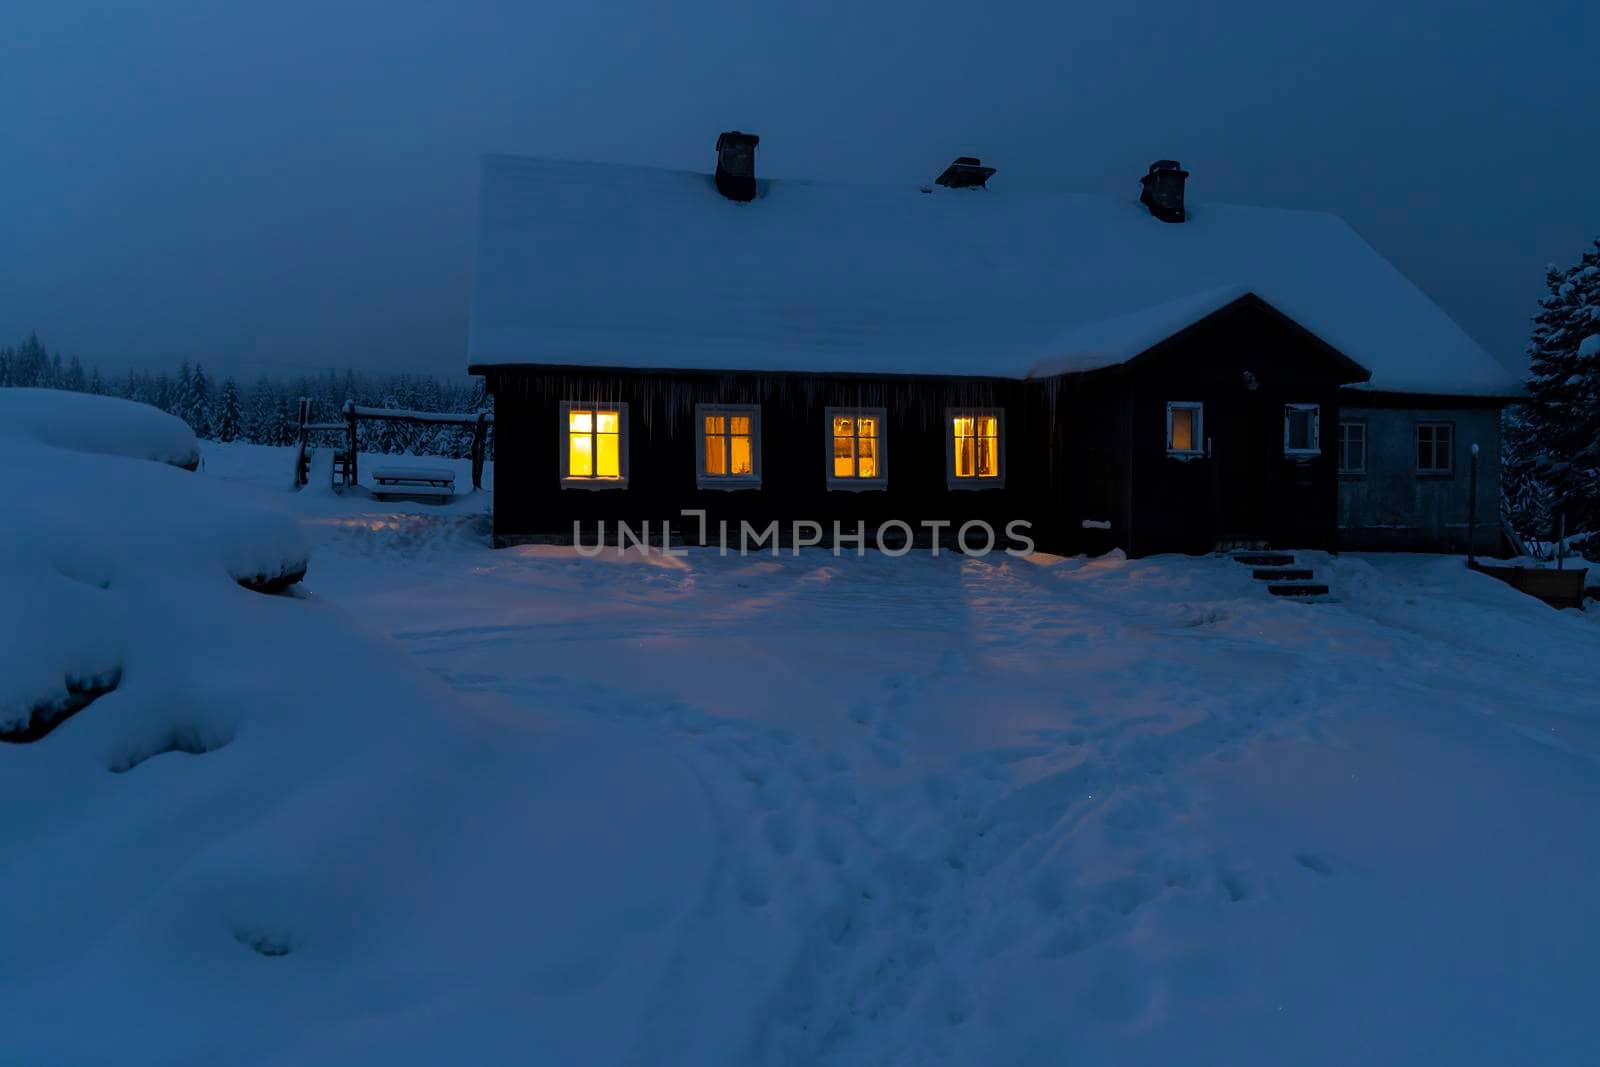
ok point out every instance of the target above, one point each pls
(1561, 543)
(302, 462)
(479, 441)
(351, 474)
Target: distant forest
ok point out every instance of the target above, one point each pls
(266, 412)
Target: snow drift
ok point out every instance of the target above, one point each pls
(97, 549)
(82, 422)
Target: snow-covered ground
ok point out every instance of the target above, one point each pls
(467, 806)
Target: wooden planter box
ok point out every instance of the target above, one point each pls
(1559, 589)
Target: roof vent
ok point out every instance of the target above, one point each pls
(736, 165)
(965, 173)
(1163, 190)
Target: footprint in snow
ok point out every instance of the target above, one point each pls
(1314, 863)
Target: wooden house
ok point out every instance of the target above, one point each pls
(690, 350)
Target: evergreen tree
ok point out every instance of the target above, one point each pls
(1555, 440)
(198, 415)
(230, 416)
(74, 378)
(260, 423)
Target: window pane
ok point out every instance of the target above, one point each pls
(713, 424)
(844, 462)
(580, 461)
(606, 421)
(1182, 429)
(739, 424)
(963, 427)
(741, 454)
(869, 454)
(867, 427)
(988, 426)
(842, 426)
(964, 456)
(988, 457)
(1299, 424)
(580, 421)
(608, 465)
(716, 459)
(1441, 448)
(1424, 447)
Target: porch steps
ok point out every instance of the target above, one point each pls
(1299, 589)
(1283, 578)
(1264, 559)
(1282, 574)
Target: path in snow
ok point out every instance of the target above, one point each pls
(929, 777)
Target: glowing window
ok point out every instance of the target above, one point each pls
(596, 451)
(1302, 429)
(1185, 428)
(976, 453)
(728, 446)
(856, 454)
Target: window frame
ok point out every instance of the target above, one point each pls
(704, 480)
(974, 482)
(1316, 431)
(1450, 455)
(1343, 425)
(855, 485)
(564, 446)
(1199, 408)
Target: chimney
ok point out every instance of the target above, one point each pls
(1163, 190)
(736, 165)
(967, 172)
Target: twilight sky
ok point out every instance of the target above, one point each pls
(290, 186)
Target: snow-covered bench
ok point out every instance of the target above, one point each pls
(437, 484)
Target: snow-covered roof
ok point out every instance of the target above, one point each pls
(591, 264)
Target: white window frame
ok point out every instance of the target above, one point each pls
(1316, 430)
(727, 481)
(1344, 424)
(1448, 471)
(881, 481)
(974, 482)
(570, 481)
(1199, 409)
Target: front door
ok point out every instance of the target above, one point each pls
(1246, 447)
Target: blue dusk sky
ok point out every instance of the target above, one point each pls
(290, 186)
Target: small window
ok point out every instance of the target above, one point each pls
(594, 445)
(1302, 429)
(1352, 447)
(975, 456)
(1186, 428)
(1435, 448)
(857, 458)
(728, 446)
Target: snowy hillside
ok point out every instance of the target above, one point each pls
(450, 805)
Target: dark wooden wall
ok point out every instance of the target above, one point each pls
(1244, 366)
(530, 502)
(1080, 451)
